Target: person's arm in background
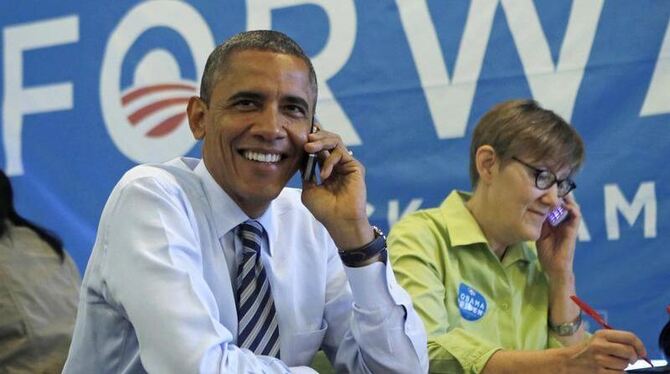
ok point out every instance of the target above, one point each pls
(382, 334)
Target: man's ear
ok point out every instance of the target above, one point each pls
(486, 161)
(196, 111)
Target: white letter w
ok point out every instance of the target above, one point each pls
(555, 86)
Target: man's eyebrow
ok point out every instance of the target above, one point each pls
(297, 100)
(258, 96)
(248, 95)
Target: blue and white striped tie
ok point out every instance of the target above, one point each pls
(257, 328)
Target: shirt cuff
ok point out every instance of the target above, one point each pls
(369, 286)
(302, 370)
(471, 352)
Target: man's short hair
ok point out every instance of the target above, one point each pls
(523, 129)
(260, 40)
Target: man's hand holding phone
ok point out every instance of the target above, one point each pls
(339, 200)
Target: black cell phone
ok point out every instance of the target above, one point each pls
(557, 215)
(309, 170)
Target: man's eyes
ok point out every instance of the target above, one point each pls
(295, 110)
(245, 104)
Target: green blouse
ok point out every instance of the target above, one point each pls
(471, 303)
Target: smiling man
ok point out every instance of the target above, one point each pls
(214, 265)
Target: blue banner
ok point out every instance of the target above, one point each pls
(90, 89)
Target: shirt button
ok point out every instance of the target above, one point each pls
(504, 306)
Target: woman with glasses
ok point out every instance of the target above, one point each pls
(489, 275)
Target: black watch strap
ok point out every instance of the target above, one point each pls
(364, 255)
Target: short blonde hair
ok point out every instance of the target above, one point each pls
(523, 129)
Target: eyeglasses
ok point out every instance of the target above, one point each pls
(544, 179)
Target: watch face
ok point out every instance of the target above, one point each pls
(564, 330)
(567, 329)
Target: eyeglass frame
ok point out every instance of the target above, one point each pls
(571, 184)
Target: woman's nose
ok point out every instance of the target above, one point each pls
(550, 196)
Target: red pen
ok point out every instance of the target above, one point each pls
(597, 317)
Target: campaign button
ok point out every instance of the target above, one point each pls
(471, 303)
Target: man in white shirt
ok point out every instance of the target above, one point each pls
(215, 266)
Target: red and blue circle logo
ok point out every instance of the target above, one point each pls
(146, 118)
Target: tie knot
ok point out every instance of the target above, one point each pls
(253, 226)
(251, 234)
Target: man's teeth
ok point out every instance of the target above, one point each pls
(261, 157)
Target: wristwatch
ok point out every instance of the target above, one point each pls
(367, 254)
(568, 328)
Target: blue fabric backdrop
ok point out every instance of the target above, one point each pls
(91, 88)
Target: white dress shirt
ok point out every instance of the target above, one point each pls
(159, 290)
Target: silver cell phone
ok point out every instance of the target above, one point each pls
(557, 215)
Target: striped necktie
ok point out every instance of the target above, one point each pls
(257, 329)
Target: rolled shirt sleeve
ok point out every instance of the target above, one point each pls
(449, 350)
(386, 322)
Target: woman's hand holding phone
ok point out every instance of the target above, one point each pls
(556, 253)
(556, 245)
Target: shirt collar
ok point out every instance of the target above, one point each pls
(519, 252)
(232, 215)
(464, 230)
(462, 227)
